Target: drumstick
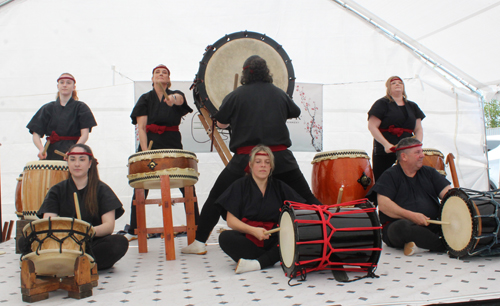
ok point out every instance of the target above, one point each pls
(235, 81)
(77, 206)
(60, 153)
(274, 230)
(438, 222)
(150, 145)
(339, 197)
(163, 90)
(47, 144)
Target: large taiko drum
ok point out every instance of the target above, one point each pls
(221, 66)
(321, 237)
(145, 168)
(435, 159)
(345, 172)
(38, 177)
(56, 243)
(473, 218)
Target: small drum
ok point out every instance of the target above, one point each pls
(319, 237)
(474, 222)
(38, 177)
(145, 168)
(222, 64)
(435, 159)
(56, 243)
(348, 169)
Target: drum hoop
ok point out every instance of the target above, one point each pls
(430, 152)
(60, 167)
(200, 94)
(339, 154)
(158, 154)
(156, 175)
(288, 209)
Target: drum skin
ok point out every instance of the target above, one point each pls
(38, 177)
(145, 168)
(349, 169)
(435, 159)
(302, 238)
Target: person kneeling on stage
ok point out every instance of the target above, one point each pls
(253, 205)
(407, 196)
(99, 206)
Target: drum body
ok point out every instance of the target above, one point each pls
(18, 196)
(474, 222)
(222, 64)
(435, 159)
(145, 168)
(56, 243)
(38, 177)
(347, 169)
(319, 237)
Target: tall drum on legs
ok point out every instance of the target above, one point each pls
(341, 176)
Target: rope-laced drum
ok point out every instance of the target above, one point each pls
(343, 237)
(56, 243)
(222, 63)
(145, 168)
(435, 159)
(38, 177)
(346, 169)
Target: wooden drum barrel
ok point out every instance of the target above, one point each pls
(435, 159)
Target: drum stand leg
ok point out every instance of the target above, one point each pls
(140, 206)
(79, 286)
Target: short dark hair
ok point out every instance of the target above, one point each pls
(255, 70)
(405, 142)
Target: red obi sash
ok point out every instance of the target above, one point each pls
(248, 149)
(53, 138)
(160, 129)
(267, 225)
(396, 131)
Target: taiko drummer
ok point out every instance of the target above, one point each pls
(65, 121)
(158, 117)
(407, 196)
(253, 205)
(97, 205)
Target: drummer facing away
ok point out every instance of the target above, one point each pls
(407, 196)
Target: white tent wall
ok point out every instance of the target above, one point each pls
(110, 44)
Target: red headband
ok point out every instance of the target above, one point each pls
(66, 78)
(394, 149)
(79, 153)
(161, 66)
(396, 78)
(262, 153)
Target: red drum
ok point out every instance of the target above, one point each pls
(221, 66)
(145, 168)
(435, 159)
(321, 237)
(346, 169)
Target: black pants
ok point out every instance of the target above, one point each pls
(238, 246)
(402, 231)
(106, 250)
(133, 214)
(211, 212)
(382, 162)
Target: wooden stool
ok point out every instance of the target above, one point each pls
(168, 229)
(79, 286)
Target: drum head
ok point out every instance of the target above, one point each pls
(224, 59)
(55, 263)
(287, 239)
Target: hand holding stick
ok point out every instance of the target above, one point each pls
(61, 153)
(77, 206)
(438, 222)
(274, 230)
(47, 144)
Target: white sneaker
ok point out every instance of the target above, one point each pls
(196, 247)
(130, 237)
(247, 265)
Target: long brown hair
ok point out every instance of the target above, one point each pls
(90, 197)
(255, 70)
(74, 94)
(388, 88)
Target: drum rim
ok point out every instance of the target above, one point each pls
(44, 220)
(335, 154)
(200, 94)
(289, 270)
(161, 153)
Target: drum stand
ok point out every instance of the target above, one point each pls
(168, 228)
(214, 135)
(79, 286)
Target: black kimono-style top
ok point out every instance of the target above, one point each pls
(60, 200)
(257, 114)
(161, 114)
(66, 120)
(390, 113)
(244, 199)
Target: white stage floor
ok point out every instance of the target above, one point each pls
(148, 279)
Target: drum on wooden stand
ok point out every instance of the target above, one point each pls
(18, 196)
(344, 237)
(38, 177)
(145, 168)
(56, 243)
(346, 169)
(474, 223)
(435, 159)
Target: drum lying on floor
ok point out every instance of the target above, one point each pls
(473, 218)
(329, 237)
